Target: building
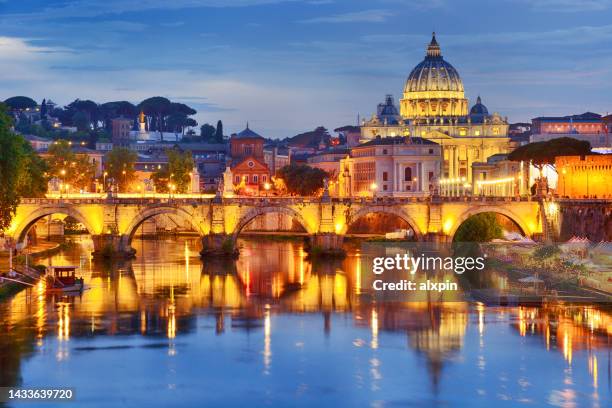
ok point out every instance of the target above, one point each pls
(498, 177)
(434, 107)
(391, 166)
(143, 134)
(584, 176)
(276, 158)
(248, 165)
(121, 128)
(211, 160)
(38, 143)
(329, 161)
(589, 126)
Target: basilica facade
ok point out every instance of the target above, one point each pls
(434, 107)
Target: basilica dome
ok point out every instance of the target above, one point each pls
(433, 88)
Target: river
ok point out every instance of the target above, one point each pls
(166, 329)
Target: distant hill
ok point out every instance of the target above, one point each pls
(310, 139)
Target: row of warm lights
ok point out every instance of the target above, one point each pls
(457, 180)
(495, 181)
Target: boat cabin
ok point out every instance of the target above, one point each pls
(64, 274)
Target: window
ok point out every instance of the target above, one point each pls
(264, 178)
(255, 179)
(431, 176)
(384, 187)
(385, 176)
(477, 133)
(407, 174)
(237, 179)
(431, 151)
(384, 151)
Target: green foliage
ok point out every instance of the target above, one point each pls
(301, 179)
(177, 173)
(119, 164)
(21, 171)
(219, 132)
(20, 103)
(546, 252)
(544, 153)
(72, 169)
(207, 132)
(481, 227)
(33, 175)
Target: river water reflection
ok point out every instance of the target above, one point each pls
(273, 329)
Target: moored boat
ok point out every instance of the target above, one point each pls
(63, 279)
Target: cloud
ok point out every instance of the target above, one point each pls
(93, 8)
(365, 16)
(568, 5)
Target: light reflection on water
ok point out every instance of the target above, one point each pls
(274, 329)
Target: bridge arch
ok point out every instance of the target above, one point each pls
(380, 209)
(29, 220)
(151, 212)
(511, 215)
(254, 212)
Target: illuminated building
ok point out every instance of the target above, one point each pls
(584, 176)
(500, 177)
(248, 160)
(390, 166)
(434, 107)
(589, 126)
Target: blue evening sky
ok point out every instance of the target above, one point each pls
(287, 66)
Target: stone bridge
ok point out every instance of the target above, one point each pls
(112, 222)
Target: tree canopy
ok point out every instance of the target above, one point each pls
(22, 172)
(20, 102)
(119, 164)
(541, 154)
(301, 179)
(177, 174)
(72, 169)
(481, 227)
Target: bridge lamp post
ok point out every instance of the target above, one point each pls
(267, 188)
(373, 188)
(104, 180)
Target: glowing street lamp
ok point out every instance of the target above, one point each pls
(373, 188)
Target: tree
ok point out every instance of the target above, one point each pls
(481, 227)
(73, 170)
(21, 172)
(80, 120)
(20, 103)
(301, 179)
(33, 177)
(219, 132)
(176, 176)
(111, 110)
(541, 154)
(156, 108)
(120, 167)
(207, 132)
(89, 109)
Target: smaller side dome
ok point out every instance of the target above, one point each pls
(479, 108)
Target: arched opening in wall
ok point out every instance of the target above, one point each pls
(164, 234)
(44, 230)
(164, 225)
(488, 226)
(381, 224)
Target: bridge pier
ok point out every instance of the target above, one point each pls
(112, 246)
(327, 244)
(219, 245)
